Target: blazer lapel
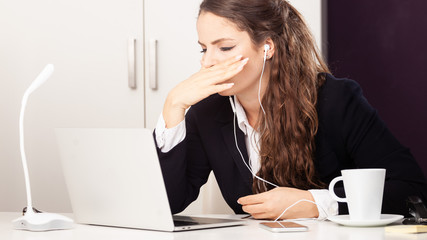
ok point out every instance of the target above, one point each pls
(226, 116)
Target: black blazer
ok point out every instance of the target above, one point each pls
(350, 135)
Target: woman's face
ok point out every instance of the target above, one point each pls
(220, 39)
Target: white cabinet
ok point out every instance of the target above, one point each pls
(88, 42)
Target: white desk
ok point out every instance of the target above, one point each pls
(317, 231)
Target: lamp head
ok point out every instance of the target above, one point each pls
(41, 78)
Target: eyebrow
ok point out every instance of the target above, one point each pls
(217, 41)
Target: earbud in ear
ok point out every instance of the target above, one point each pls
(266, 47)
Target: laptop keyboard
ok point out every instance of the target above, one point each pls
(179, 223)
(186, 221)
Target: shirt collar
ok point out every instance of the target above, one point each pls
(242, 120)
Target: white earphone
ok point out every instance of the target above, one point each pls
(266, 48)
(233, 107)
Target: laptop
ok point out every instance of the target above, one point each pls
(114, 179)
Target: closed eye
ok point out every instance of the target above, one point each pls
(224, 49)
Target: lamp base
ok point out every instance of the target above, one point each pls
(42, 222)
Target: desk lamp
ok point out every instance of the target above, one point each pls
(33, 220)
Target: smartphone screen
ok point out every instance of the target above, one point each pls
(283, 226)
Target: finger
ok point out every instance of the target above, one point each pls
(225, 73)
(251, 199)
(221, 66)
(220, 87)
(254, 209)
(228, 61)
(261, 216)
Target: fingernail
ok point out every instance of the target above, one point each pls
(238, 57)
(230, 84)
(243, 63)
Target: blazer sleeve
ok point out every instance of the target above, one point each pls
(185, 167)
(370, 144)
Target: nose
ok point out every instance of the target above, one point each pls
(208, 60)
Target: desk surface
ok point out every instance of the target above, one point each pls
(318, 230)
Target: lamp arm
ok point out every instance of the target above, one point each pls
(41, 78)
(23, 155)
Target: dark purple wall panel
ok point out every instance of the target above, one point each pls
(383, 46)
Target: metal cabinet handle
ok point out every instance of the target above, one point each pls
(153, 64)
(131, 63)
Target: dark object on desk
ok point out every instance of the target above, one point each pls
(34, 209)
(416, 209)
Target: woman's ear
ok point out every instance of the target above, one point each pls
(269, 47)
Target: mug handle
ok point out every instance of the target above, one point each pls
(332, 192)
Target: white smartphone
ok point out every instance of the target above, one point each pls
(283, 227)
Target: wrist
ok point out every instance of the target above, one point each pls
(311, 207)
(173, 112)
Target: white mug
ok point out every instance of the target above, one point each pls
(364, 192)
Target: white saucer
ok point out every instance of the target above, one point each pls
(384, 220)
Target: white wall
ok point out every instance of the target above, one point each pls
(312, 12)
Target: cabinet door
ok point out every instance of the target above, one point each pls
(87, 41)
(172, 25)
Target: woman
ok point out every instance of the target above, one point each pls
(288, 129)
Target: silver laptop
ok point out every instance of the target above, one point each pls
(114, 179)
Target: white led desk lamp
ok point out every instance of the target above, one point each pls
(35, 220)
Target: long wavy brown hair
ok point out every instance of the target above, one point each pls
(288, 128)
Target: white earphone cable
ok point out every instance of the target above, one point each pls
(241, 155)
(295, 203)
(233, 106)
(260, 78)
